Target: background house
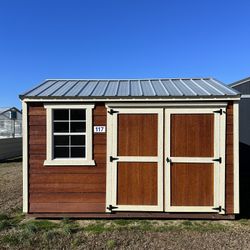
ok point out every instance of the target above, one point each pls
(243, 86)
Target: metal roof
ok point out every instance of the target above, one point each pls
(130, 88)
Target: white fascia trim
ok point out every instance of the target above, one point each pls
(164, 104)
(88, 161)
(245, 96)
(25, 157)
(236, 156)
(182, 99)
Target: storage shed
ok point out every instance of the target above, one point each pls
(144, 148)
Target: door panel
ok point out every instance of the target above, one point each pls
(194, 147)
(192, 135)
(137, 183)
(137, 160)
(134, 138)
(192, 184)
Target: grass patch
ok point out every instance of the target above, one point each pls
(96, 228)
(36, 226)
(111, 244)
(69, 226)
(123, 222)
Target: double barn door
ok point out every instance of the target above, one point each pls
(168, 159)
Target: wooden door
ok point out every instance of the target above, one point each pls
(195, 160)
(135, 163)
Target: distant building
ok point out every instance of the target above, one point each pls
(10, 123)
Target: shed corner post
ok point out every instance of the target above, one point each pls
(236, 155)
(25, 155)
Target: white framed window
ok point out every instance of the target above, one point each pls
(69, 134)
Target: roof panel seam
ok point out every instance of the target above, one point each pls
(164, 87)
(213, 87)
(222, 85)
(196, 84)
(83, 87)
(174, 85)
(188, 87)
(67, 91)
(39, 93)
(58, 89)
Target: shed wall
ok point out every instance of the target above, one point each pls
(76, 189)
(65, 188)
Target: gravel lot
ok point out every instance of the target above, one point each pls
(18, 232)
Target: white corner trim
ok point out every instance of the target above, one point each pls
(69, 162)
(236, 156)
(88, 161)
(25, 156)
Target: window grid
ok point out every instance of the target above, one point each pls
(69, 134)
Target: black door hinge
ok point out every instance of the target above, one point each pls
(220, 111)
(110, 208)
(168, 160)
(111, 111)
(219, 159)
(111, 158)
(219, 208)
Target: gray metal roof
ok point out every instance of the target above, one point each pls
(131, 88)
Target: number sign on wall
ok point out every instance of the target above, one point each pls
(99, 129)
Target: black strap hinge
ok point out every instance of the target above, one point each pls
(111, 111)
(168, 160)
(111, 158)
(218, 160)
(110, 208)
(219, 208)
(220, 111)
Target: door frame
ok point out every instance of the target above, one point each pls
(111, 187)
(219, 151)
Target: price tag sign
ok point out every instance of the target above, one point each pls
(99, 129)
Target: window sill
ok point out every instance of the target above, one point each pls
(69, 162)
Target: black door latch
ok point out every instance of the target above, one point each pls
(111, 158)
(219, 208)
(111, 111)
(110, 208)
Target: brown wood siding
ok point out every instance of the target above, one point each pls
(192, 184)
(65, 188)
(192, 135)
(229, 161)
(137, 134)
(137, 183)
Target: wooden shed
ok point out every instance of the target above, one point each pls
(137, 148)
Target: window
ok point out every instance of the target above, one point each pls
(69, 135)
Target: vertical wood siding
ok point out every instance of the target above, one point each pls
(229, 161)
(65, 188)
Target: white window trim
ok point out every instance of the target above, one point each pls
(88, 160)
(219, 169)
(111, 188)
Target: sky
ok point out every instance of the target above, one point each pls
(47, 39)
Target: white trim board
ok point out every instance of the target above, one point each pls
(236, 157)
(25, 157)
(140, 99)
(87, 161)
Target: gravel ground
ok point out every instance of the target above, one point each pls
(10, 186)
(19, 233)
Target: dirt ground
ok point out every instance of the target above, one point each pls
(18, 232)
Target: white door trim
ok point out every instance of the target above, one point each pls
(219, 168)
(111, 198)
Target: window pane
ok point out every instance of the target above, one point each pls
(77, 152)
(61, 140)
(61, 114)
(78, 127)
(61, 127)
(78, 140)
(61, 152)
(77, 114)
